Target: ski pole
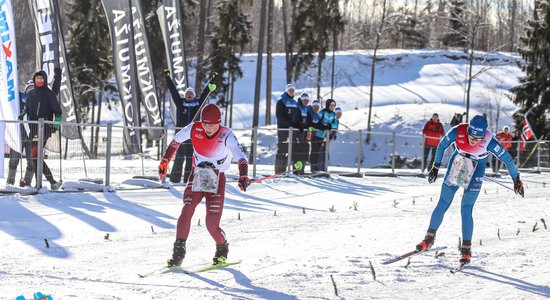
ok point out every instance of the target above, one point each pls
(492, 180)
(297, 166)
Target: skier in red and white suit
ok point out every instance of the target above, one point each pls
(214, 146)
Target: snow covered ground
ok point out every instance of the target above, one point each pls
(285, 253)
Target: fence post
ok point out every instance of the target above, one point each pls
(327, 147)
(108, 154)
(40, 155)
(254, 150)
(538, 156)
(289, 157)
(360, 152)
(393, 153)
(518, 153)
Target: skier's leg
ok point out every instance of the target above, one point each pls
(432, 157)
(445, 199)
(190, 201)
(469, 199)
(214, 209)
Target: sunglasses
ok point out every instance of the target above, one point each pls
(475, 138)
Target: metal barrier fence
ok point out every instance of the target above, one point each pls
(100, 154)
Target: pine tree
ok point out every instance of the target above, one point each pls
(316, 23)
(229, 37)
(89, 49)
(456, 34)
(534, 89)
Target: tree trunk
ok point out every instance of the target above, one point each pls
(320, 58)
(372, 73)
(334, 46)
(255, 116)
(288, 48)
(269, 63)
(199, 76)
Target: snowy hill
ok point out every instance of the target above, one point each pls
(287, 252)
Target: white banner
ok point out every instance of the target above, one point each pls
(9, 86)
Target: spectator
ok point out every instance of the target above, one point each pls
(338, 112)
(327, 122)
(42, 103)
(309, 121)
(288, 116)
(433, 131)
(504, 138)
(16, 156)
(316, 106)
(457, 119)
(186, 109)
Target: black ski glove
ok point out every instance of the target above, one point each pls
(167, 73)
(518, 186)
(432, 175)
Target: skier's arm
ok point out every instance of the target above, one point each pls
(183, 135)
(232, 144)
(445, 142)
(498, 150)
(174, 92)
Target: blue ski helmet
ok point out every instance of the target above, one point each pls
(477, 126)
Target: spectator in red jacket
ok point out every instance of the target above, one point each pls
(433, 132)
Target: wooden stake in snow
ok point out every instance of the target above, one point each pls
(304, 210)
(543, 223)
(334, 285)
(498, 234)
(239, 216)
(199, 224)
(152, 229)
(47, 244)
(275, 213)
(106, 236)
(535, 228)
(372, 271)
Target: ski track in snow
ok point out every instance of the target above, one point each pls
(290, 255)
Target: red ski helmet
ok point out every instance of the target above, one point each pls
(211, 114)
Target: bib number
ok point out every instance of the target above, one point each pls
(205, 179)
(461, 172)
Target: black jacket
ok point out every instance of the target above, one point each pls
(42, 103)
(185, 110)
(287, 112)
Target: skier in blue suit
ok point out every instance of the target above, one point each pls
(473, 142)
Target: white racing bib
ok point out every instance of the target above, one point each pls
(461, 172)
(205, 179)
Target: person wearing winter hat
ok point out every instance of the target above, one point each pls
(505, 138)
(466, 169)
(42, 103)
(214, 146)
(186, 107)
(316, 105)
(327, 122)
(432, 131)
(308, 119)
(288, 116)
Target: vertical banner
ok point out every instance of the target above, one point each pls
(9, 85)
(119, 18)
(51, 53)
(145, 76)
(170, 19)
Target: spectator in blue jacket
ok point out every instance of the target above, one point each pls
(288, 116)
(327, 122)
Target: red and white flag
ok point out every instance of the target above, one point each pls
(526, 134)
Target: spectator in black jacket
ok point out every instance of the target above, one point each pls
(42, 103)
(186, 109)
(288, 116)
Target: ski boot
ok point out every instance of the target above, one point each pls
(427, 242)
(178, 253)
(55, 185)
(221, 253)
(466, 252)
